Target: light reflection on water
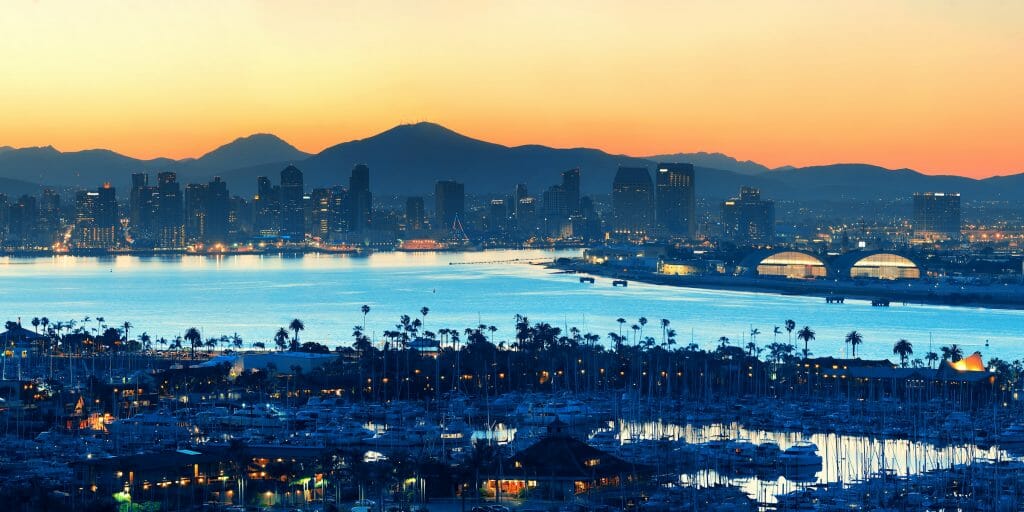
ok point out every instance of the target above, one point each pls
(254, 295)
(845, 458)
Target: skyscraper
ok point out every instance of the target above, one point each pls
(360, 198)
(675, 199)
(571, 187)
(632, 198)
(293, 215)
(97, 223)
(266, 208)
(142, 208)
(218, 208)
(937, 216)
(749, 220)
(415, 216)
(195, 213)
(170, 219)
(449, 203)
(320, 216)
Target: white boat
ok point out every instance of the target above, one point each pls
(801, 454)
(1014, 434)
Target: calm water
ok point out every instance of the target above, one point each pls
(254, 295)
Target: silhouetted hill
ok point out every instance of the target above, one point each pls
(713, 161)
(411, 158)
(89, 168)
(257, 149)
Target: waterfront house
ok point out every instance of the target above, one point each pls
(560, 466)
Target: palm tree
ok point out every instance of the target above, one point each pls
(805, 334)
(423, 311)
(259, 344)
(35, 324)
(127, 326)
(365, 309)
(903, 348)
(854, 338)
(281, 338)
(790, 325)
(931, 357)
(194, 338)
(296, 326)
(952, 353)
(621, 321)
(751, 347)
(775, 334)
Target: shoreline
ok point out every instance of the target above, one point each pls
(919, 293)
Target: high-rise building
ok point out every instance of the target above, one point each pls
(195, 213)
(49, 216)
(170, 219)
(497, 216)
(749, 220)
(632, 197)
(142, 208)
(293, 215)
(266, 206)
(97, 223)
(571, 187)
(937, 216)
(415, 214)
(360, 198)
(675, 199)
(320, 216)
(22, 221)
(449, 203)
(218, 208)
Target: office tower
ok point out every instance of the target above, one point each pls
(340, 212)
(293, 217)
(571, 187)
(22, 220)
(218, 207)
(5, 216)
(497, 216)
(749, 220)
(49, 216)
(320, 213)
(449, 203)
(555, 211)
(266, 208)
(937, 216)
(142, 208)
(239, 218)
(675, 200)
(526, 215)
(415, 216)
(195, 213)
(97, 223)
(170, 219)
(632, 196)
(360, 198)
(136, 207)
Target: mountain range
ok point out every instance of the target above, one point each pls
(409, 159)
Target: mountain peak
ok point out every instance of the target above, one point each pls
(258, 148)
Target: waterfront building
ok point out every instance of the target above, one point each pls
(937, 216)
(415, 216)
(218, 207)
(360, 198)
(748, 219)
(195, 213)
(266, 206)
(786, 264)
(675, 199)
(169, 213)
(142, 208)
(571, 190)
(497, 216)
(876, 265)
(293, 215)
(320, 213)
(632, 197)
(449, 203)
(97, 224)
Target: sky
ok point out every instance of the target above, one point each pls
(934, 85)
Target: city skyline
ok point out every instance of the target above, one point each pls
(942, 101)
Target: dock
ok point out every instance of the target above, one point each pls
(620, 282)
(587, 280)
(834, 299)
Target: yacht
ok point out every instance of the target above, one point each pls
(1014, 434)
(801, 454)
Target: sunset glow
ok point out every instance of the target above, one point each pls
(934, 86)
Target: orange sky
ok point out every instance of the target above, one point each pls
(933, 85)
